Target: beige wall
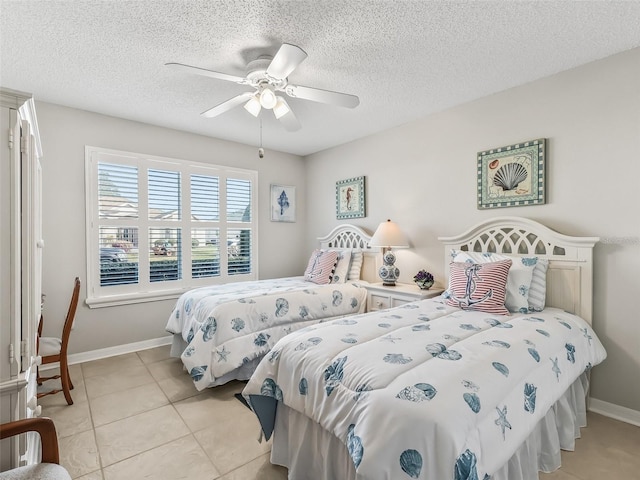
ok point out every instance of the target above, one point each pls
(423, 176)
(65, 132)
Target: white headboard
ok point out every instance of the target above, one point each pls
(570, 274)
(348, 236)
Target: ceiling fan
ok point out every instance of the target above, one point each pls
(268, 76)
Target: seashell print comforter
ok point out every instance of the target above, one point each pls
(425, 390)
(226, 326)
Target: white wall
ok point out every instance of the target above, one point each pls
(423, 176)
(65, 132)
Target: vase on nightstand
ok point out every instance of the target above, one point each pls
(425, 285)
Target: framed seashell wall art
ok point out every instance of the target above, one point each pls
(512, 176)
(283, 203)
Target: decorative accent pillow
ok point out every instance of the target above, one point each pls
(342, 267)
(356, 265)
(478, 286)
(321, 266)
(538, 288)
(518, 282)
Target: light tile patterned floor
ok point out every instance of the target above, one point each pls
(139, 416)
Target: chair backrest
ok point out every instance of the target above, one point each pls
(71, 313)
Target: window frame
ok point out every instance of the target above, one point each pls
(144, 290)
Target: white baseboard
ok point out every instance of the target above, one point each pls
(113, 351)
(614, 411)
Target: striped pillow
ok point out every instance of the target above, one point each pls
(538, 288)
(479, 286)
(518, 281)
(356, 265)
(321, 266)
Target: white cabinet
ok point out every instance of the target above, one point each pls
(380, 297)
(20, 269)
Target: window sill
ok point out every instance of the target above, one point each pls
(129, 299)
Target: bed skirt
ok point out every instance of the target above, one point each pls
(312, 453)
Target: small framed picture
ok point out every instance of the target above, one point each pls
(283, 203)
(350, 198)
(512, 176)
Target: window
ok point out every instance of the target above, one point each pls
(158, 226)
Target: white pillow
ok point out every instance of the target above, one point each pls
(356, 265)
(342, 267)
(538, 289)
(518, 281)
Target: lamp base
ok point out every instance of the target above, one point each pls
(388, 272)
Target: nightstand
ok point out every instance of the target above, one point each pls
(380, 297)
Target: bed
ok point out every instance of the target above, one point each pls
(433, 391)
(222, 331)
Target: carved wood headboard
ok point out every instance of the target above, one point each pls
(346, 236)
(570, 273)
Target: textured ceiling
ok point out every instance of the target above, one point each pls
(404, 59)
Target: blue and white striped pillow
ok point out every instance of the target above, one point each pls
(356, 265)
(538, 288)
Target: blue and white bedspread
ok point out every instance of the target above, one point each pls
(426, 390)
(227, 326)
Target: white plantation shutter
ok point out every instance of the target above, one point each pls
(156, 226)
(205, 198)
(238, 215)
(205, 236)
(118, 232)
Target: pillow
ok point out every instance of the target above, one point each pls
(518, 282)
(321, 266)
(356, 265)
(342, 267)
(486, 293)
(538, 288)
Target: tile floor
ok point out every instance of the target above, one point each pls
(139, 416)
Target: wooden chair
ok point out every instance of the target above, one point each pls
(53, 349)
(49, 468)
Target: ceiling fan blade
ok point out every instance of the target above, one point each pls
(322, 96)
(207, 73)
(228, 105)
(286, 60)
(289, 121)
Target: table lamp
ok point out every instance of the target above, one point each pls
(388, 235)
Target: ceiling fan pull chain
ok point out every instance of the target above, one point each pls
(260, 150)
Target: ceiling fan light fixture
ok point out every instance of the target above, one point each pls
(267, 98)
(281, 108)
(253, 106)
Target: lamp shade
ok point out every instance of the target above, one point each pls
(281, 108)
(253, 106)
(267, 98)
(388, 234)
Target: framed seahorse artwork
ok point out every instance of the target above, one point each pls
(512, 176)
(283, 203)
(350, 198)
